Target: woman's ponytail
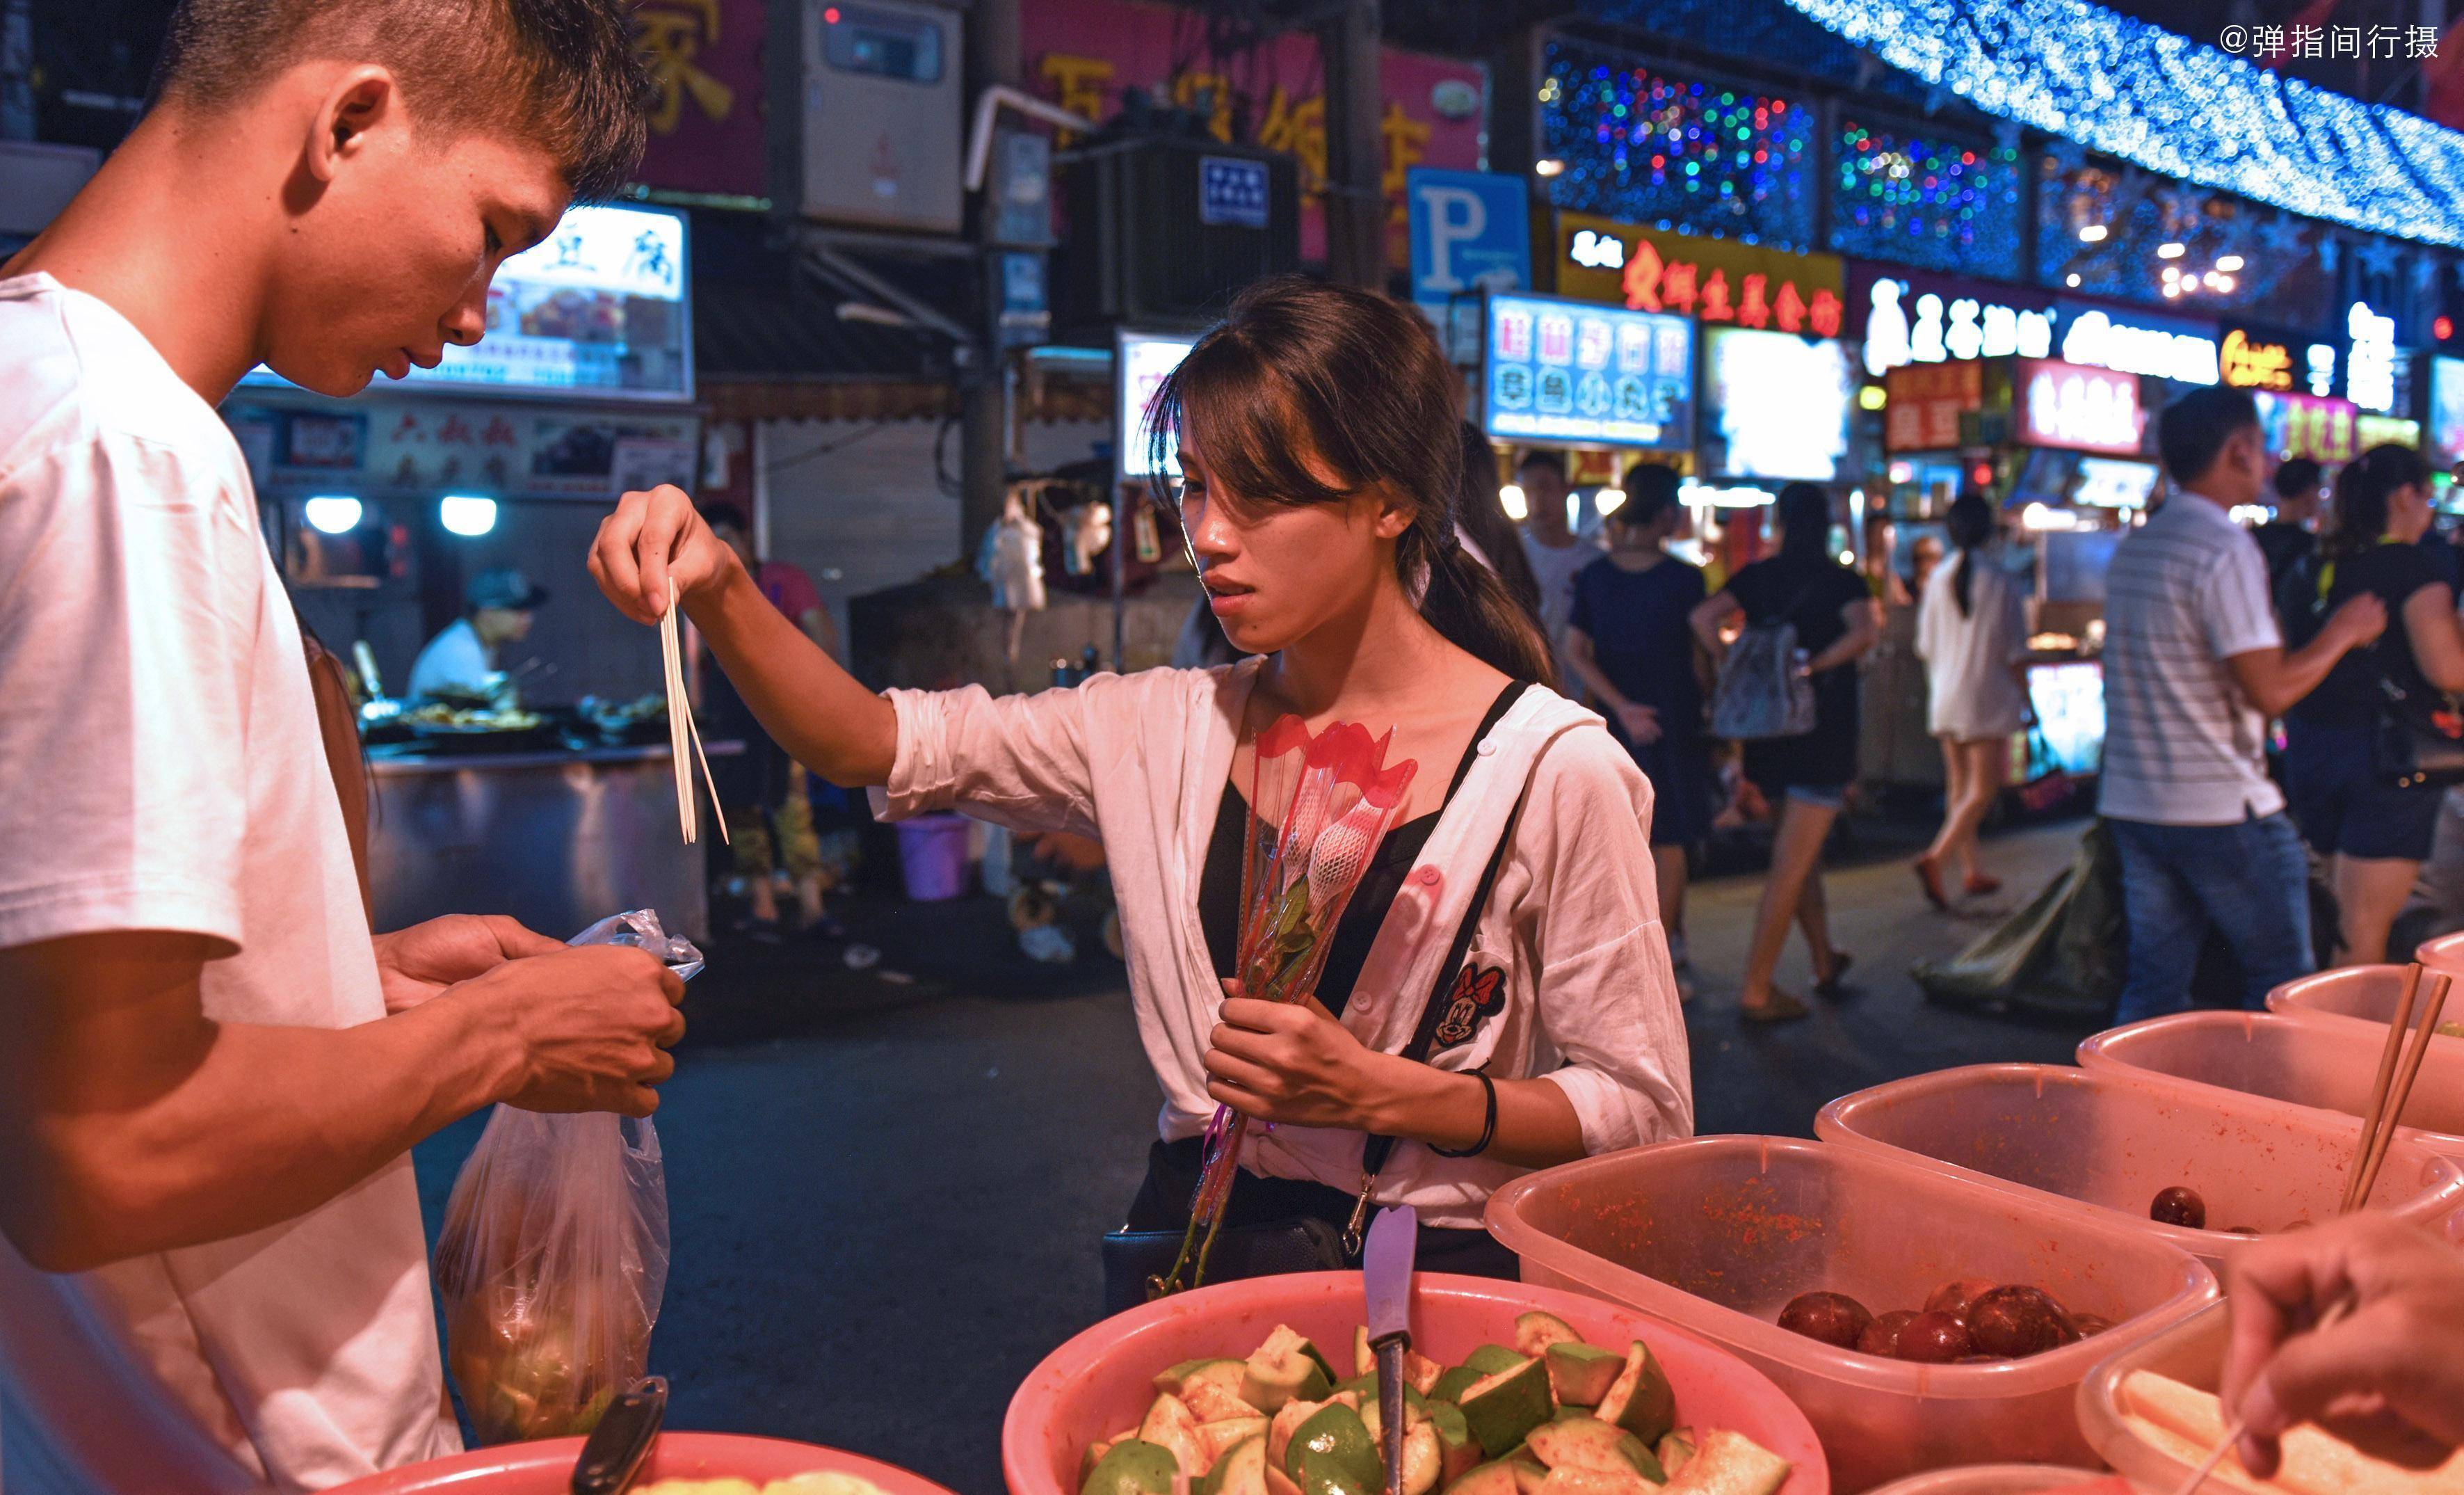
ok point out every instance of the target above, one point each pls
(1466, 603)
(1969, 523)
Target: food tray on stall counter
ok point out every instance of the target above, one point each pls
(2364, 997)
(1103, 1380)
(545, 1467)
(1991, 1479)
(1717, 1233)
(2316, 1066)
(2105, 1141)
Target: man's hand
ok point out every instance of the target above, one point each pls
(652, 538)
(419, 962)
(591, 1027)
(2360, 621)
(2399, 1353)
(1641, 724)
(1292, 1062)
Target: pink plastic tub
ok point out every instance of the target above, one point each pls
(2367, 995)
(1104, 1380)
(546, 1467)
(2193, 1353)
(2109, 1140)
(1717, 1233)
(1989, 1479)
(2320, 1066)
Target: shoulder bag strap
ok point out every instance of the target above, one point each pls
(1425, 1034)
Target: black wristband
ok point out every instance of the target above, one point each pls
(1488, 1126)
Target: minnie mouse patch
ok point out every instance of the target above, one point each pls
(1477, 992)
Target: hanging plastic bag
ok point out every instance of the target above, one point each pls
(554, 1255)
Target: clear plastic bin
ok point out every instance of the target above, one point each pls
(1717, 1233)
(2322, 1067)
(2367, 995)
(2109, 1140)
(2193, 1353)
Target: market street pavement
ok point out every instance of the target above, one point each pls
(886, 1193)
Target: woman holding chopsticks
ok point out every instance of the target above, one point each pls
(1497, 993)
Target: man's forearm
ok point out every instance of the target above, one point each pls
(2277, 691)
(223, 1152)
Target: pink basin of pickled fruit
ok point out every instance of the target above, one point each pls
(2109, 1140)
(1103, 1380)
(1717, 1233)
(1989, 1479)
(2319, 1066)
(546, 1467)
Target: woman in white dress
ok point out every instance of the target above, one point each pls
(1972, 635)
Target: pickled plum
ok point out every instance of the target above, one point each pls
(1834, 1318)
(1954, 1297)
(1882, 1337)
(2179, 1206)
(1936, 1339)
(2019, 1321)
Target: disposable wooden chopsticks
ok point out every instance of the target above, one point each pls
(2417, 1049)
(684, 736)
(2388, 1056)
(2399, 1066)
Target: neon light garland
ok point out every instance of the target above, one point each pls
(1924, 201)
(1647, 149)
(2172, 105)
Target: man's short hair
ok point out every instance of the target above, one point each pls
(2195, 428)
(1548, 462)
(560, 73)
(2299, 478)
(1650, 491)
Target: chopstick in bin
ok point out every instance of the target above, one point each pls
(2433, 1007)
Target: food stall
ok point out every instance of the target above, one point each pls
(542, 799)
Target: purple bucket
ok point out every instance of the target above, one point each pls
(933, 857)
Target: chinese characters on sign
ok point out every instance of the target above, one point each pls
(1567, 371)
(1925, 403)
(2369, 363)
(1912, 323)
(2305, 425)
(2269, 44)
(2081, 410)
(704, 60)
(2251, 365)
(1717, 281)
(1084, 55)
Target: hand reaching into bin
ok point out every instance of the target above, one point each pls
(2400, 1348)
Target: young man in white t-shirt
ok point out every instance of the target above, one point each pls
(214, 1275)
(2193, 669)
(1555, 551)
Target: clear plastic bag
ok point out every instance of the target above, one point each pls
(554, 1255)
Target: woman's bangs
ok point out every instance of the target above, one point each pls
(1233, 408)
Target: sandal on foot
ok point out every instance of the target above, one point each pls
(1929, 882)
(1781, 1008)
(1835, 983)
(1982, 887)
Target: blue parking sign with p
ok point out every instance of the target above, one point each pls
(1471, 232)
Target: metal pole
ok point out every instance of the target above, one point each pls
(1356, 196)
(993, 58)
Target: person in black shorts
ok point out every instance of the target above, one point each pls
(1807, 776)
(1628, 639)
(2378, 832)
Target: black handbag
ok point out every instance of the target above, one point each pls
(2418, 737)
(1133, 1258)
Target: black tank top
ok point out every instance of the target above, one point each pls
(1218, 888)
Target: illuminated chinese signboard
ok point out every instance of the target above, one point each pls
(1715, 281)
(2369, 360)
(707, 133)
(2160, 348)
(2253, 361)
(1775, 405)
(1925, 401)
(1581, 374)
(2079, 410)
(1913, 316)
(2308, 425)
(2445, 410)
(1087, 54)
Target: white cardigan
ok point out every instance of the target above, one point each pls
(1141, 761)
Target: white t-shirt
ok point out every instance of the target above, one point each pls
(1971, 695)
(161, 769)
(1554, 569)
(2185, 591)
(454, 658)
